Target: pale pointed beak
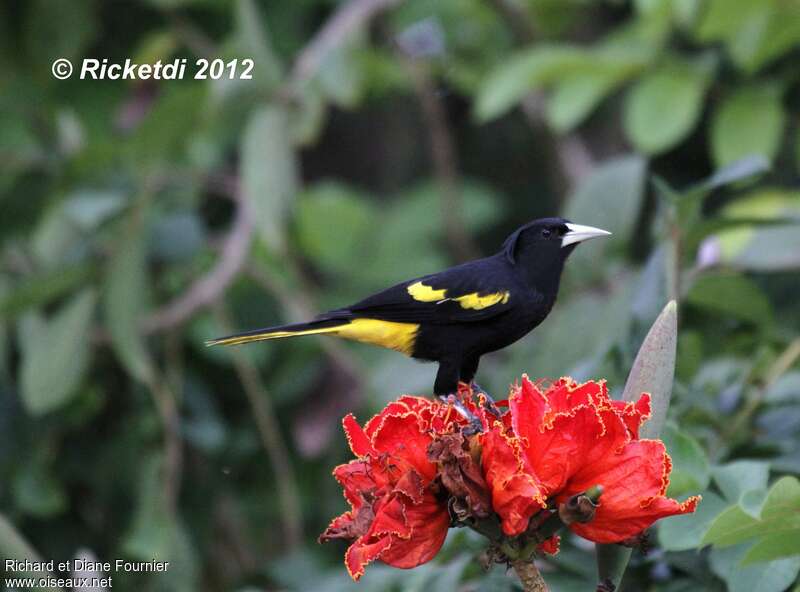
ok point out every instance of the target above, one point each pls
(579, 233)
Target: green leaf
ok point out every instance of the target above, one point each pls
(737, 170)
(690, 469)
(774, 576)
(38, 492)
(615, 186)
(269, 172)
(125, 301)
(681, 533)
(56, 359)
(767, 248)
(737, 477)
(780, 514)
(749, 122)
(663, 107)
(774, 546)
(322, 212)
(575, 98)
(731, 294)
(42, 289)
(256, 44)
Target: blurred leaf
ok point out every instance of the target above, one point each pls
(125, 300)
(159, 45)
(340, 76)
(57, 30)
(784, 389)
(55, 361)
(779, 514)
(731, 294)
(773, 576)
(163, 135)
(256, 44)
(769, 204)
(738, 170)
(177, 237)
(615, 186)
(42, 289)
(323, 210)
(737, 477)
(681, 533)
(765, 248)
(544, 65)
(38, 492)
(663, 106)
(690, 470)
(749, 122)
(269, 172)
(774, 546)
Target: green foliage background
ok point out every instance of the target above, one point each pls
(140, 218)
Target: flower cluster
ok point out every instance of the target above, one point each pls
(417, 473)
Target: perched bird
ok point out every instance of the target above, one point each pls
(455, 316)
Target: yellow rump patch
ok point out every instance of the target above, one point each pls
(477, 302)
(422, 293)
(397, 336)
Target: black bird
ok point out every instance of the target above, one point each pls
(455, 316)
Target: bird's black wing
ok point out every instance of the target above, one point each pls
(471, 292)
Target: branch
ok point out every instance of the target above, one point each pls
(529, 575)
(207, 289)
(444, 158)
(269, 430)
(345, 21)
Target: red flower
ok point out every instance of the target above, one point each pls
(553, 445)
(396, 513)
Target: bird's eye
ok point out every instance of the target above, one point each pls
(546, 232)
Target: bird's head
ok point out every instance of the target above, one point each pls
(545, 244)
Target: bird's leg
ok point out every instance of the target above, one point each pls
(469, 367)
(446, 387)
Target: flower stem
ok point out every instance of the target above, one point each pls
(529, 575)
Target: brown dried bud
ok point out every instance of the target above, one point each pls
(579, 508)
(460, 475)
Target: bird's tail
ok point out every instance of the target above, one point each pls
(294, 330)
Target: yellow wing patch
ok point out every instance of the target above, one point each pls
(477, 302)
(422, 293)
(397, 336)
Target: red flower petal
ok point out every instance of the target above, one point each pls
(634, 414)
(634, 481)
(550, 546)
(356, 437)
(516, 494)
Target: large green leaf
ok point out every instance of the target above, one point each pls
(125, 300)
(57, 356)
(751, 121)
(731, 294)
(664, 106)
(269, 172)
(757, 248)
(780, 513)
(680, 533)
(690, 469)
(773, 576)
(737, 477)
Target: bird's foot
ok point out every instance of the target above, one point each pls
(475, 426)
(490, 404)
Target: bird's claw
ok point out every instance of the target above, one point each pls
(490, 404)
(475, 426)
